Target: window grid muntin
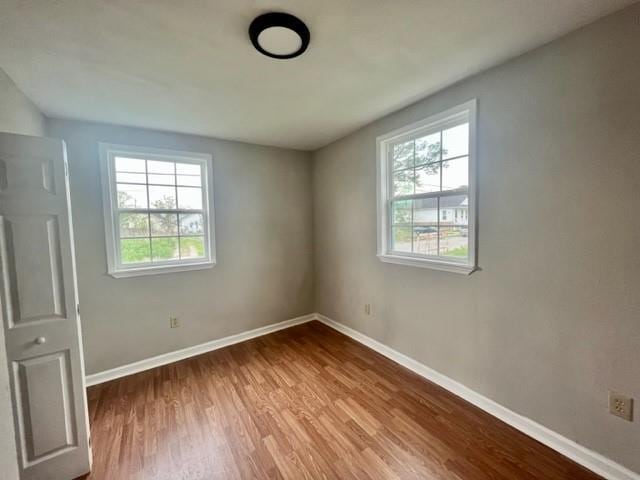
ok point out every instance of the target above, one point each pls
(413, 136)
(149, 211)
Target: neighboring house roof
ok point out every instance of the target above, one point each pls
(451, 201)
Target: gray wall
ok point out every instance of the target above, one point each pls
(552, 321)
(17, 115)
(264, 249)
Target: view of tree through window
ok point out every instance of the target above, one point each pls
(429, 193)
(160, 213)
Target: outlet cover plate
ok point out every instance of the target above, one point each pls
(621, 406)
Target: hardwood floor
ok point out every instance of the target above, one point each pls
(306, 402)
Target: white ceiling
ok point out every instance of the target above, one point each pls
(188, 65)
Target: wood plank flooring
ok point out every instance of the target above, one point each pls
(306, 402)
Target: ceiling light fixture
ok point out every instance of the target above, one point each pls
(279, 35)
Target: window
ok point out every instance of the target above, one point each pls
(426, 192)
(158, 207)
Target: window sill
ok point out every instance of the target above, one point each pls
(138, 272)
(428, 263)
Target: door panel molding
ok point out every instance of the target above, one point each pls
(34, 281)
(44, 405)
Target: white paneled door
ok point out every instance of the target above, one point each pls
(39, 309)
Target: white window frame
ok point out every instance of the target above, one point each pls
(115, 267)
(429, 125)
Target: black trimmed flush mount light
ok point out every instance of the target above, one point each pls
(279, 35)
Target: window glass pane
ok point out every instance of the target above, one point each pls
(132, 196)
(187, 169)
(453, 206)
(455, 174)
(189, 198)
(191, 247)
(428, 178)
(162, 197)
(428, 148)
(165, 248)
(401, 239)
(162, 178)
(455, 141)
(425, 240)
(124, 164)
(164, 224)
(155, 166)
(402, 155)
(131, 177)
(401, 211)
(454, 241)
(403, 182)
(425, 212)
(134, 225)
(135, 250)
(191, 224)
(189, 180)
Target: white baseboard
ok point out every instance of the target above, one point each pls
(174, 356)
(587, 458)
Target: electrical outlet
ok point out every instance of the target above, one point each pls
(174, 322)
(621, 406)
(367, 309)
